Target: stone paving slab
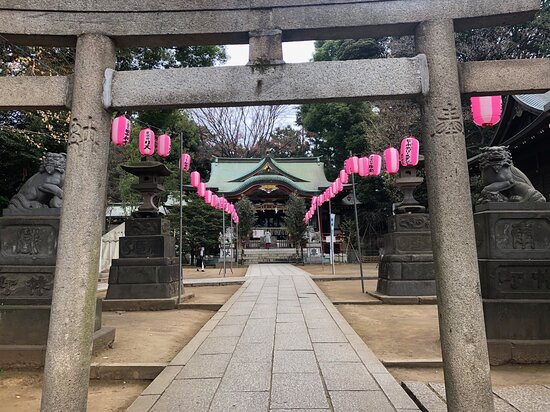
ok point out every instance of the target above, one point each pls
(522, 398)
(277, 344)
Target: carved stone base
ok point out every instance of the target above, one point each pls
(147, 268)
(406, 268)
(25, 334)
(513, 242)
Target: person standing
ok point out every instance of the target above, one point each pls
(267, 238)
(200, 259)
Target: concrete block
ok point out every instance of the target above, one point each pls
(205, 366)
(294, 362)
(335, 352)
(347, 376)
(162, 381)
(240, 402)
(199, 395)
(355, 401)
(246, 377)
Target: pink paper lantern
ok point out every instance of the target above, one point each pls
(185, 162)
(201, 189)
(223, 202)
(195, 178)
(354, 164)
(314, 200)
(121, 131)
(214, 200)
(391, 158)
(163, 145)
(375, 165)
(410, 151)
(347, 166)
(364, 166)
(487, 110)
(330, 193)
(146, 142)
(339, 185)
(208, 196)
(344, 176)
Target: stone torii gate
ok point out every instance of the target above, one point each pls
(95, 90)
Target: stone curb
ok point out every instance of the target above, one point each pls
(130, 305)
(126, 371)
(412, 363)
(404, 300)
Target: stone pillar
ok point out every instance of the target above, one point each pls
(266, 47)
(66, 372)
(461, 325)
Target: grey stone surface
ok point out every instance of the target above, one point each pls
(162, 381)
(205, 366)
(294, 362)
(335, 352)
(295, 341)
(532, 398)
(424, 395)
(253, 353)
(298, 390)
(189, 25)
(240, 402)
(198, 395)
(226, 330)
(66, 371)
(347, 376)
(30, 92)
(522, 76)
(278, 84)
(143, 403)
(233, 320)
(359, 401)
(246, 377)
(212, 346)
(466, 361)
(327, 335)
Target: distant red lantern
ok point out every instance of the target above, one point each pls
(364, 166)
(146, 142)
(121, 131)
(375, 165)
(354, 164)
(163, 145)
(344, 176)
(410, 151)
(195, 178)
(391, 158)
(201, 189)
(487, 110)
(185, 162)
(208, 196)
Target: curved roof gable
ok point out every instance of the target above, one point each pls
(234, 176)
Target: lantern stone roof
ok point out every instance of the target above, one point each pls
(230, 176)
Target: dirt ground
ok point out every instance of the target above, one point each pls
(190, 272)
(144, 337)
(21, 392)
(347, 290)
(342, 269)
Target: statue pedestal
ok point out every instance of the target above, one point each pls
(513, 244)
(406, 268)
(148, 266)
(313, 253)
(28, 250)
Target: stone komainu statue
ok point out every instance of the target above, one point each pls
(45, 188)
(502, 181)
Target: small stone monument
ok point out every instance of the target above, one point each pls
(28, 249)
(512, 221)
(406, 265)
(148, 266)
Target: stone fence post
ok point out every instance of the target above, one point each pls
(461, 325)
(68, 355)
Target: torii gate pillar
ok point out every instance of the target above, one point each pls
(69, 350)
(461, 324)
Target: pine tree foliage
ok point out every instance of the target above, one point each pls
(247, 218)
(294, 220)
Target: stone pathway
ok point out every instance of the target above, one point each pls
(278, 344)
(523, 398)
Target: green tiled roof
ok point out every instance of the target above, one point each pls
(233, 176)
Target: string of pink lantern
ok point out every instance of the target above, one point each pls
(210, 198)
(407, 156)
(121, 132)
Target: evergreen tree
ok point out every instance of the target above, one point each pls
(247, 220)
(294, 221)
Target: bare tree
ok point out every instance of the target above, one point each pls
(238, 131)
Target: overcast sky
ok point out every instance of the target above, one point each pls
(293, 52)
